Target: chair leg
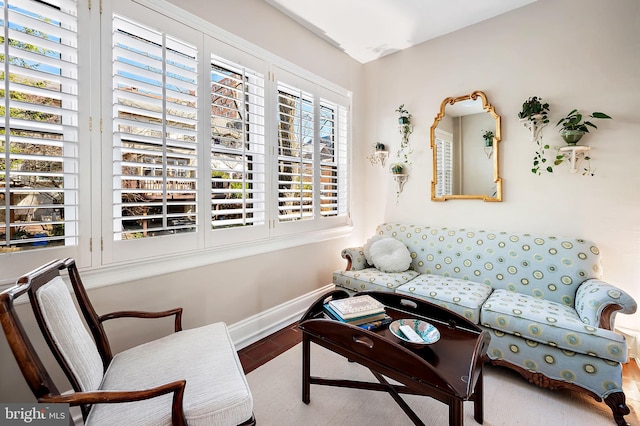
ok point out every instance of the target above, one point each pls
(250, 422)
(617, 402)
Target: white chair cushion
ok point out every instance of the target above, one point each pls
(216, 392)
(70, 334)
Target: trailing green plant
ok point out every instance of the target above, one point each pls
(587, 170)
(534, 110)
(405, 117)
(405, 150)
(540, 161)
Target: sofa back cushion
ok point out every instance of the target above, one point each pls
(545, 267)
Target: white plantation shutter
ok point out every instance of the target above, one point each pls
(342, 151)
(237, 146)
(444, 167)
(332, 159)
(155, 149)
(39, 125)
(296, 154)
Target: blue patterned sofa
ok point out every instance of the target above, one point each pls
(541, 297)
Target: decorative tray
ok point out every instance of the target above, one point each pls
(426, 331)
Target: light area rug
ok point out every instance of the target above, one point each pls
(508, 398)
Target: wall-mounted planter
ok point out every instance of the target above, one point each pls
(571, 137)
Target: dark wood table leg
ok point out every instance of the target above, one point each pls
(456, 412)
(478, 401)
(306, 368)
(396, 396)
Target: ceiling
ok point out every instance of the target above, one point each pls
(369, 29)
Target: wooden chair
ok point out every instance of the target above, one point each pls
(189, 377)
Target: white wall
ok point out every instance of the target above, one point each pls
(574, 54)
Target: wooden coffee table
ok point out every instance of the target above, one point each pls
(449, 370)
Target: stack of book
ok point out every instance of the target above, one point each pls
(356, 310)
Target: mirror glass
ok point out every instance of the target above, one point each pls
(465, 138)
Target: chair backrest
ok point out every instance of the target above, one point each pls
(62, 327)
(26, 356)
(90, 315)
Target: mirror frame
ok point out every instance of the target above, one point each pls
(486, 106)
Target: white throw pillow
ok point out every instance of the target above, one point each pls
(367, 248)
(390, 255)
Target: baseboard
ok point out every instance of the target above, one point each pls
(261, 325)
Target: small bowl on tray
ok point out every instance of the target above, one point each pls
(427, 331)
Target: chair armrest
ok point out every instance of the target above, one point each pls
(112, 397)
(139, 314)
(355, 258)
(597, 302)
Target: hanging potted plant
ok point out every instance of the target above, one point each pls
(573, 127)
(405, 117)
(534, 110)
(487, 135)
(397, 169)
(379, 155)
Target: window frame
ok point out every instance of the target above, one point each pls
(320, 95)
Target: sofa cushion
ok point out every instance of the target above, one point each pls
(366, 248)
(550, 323)
(390, 255)
(460, 296)
(372, 279)
(216, 392)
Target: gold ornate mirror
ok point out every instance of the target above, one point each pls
(465, 138)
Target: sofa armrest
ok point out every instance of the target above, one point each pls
(355, 258)
(597, 302)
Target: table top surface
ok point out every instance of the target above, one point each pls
(454, 361)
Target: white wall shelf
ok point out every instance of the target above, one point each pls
(400, 179)
(535, 126)
(575, 154)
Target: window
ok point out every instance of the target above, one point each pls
(312, 155)
(238, 156)
(39, 126)
(155, 134)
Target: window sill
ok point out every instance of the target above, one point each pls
(126, 272)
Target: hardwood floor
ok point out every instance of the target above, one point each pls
(259, 353)
(253, 356)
